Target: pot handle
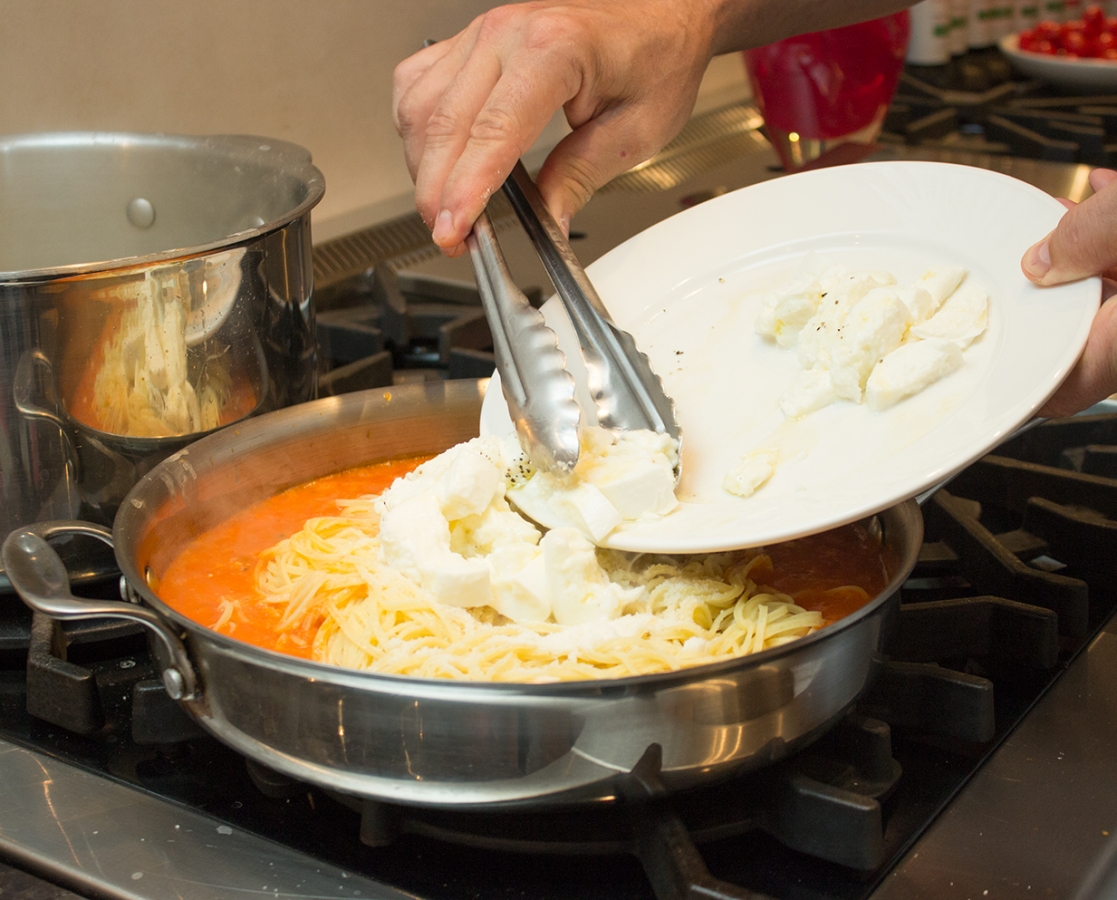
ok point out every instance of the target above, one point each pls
(25, 394)
(40, 578)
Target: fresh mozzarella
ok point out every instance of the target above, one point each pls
(868, 339)
(751, 471)
(619, 477)
(415, 540)
(811, 389)
(909, 369)
(448, 525)
(861, 318)
(470, 483)
(822, 332)
(634, 470)
(873, 328)
(785, 311)
(940, 283)
(962, 317)
(579, 588)
(921, 305)
(519, 583)
(496, 526)
(586, 508)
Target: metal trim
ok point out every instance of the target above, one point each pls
(101, 837)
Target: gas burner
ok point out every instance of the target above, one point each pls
(384, 328)
(1013, 578)
(826, 801)
(976, 105)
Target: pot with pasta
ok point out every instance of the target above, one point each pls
(154, 288)
(346, 592)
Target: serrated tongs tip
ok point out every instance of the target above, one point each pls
(626, 391)
(537, 387)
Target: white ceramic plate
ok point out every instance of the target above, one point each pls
(689, 288)
(1088, 75)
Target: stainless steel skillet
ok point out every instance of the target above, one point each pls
(428, 742)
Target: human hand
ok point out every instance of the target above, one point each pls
(1084, 243)
(626, 73)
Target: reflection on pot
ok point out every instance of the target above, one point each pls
(139, 357)
(138, 363)
(153, 288)
(163, 362)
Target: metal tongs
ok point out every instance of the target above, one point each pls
(537, 387)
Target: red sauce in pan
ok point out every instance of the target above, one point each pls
(836, 572)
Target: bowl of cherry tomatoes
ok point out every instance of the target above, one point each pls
(1080, 54)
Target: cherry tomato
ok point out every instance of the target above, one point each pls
(1047, 29)
(1073, 43)
(1093, 20)
(1092, 36)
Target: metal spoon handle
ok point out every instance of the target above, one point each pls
(628, 394)
(537, 388)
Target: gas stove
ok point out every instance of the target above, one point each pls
(978, 765)
(988, 719)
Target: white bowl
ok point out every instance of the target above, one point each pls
(1094, 76)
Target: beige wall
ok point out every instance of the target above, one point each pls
(316, 72)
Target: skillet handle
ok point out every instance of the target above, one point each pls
(40, 578)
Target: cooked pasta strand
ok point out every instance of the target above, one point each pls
(689, 611)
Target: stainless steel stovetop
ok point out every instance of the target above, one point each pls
(1033, 816)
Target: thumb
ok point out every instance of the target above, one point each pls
(596, 152)
(573, 171)
(1084, 242)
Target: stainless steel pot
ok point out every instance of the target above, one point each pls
(435, 742)
(152, 289)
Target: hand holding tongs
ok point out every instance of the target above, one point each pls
(538, 389)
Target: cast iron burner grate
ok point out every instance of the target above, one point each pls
(1015, 574)
(384, 328)
(978, 104)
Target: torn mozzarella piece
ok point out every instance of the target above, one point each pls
(753, 470)
(579, 589)
(466, 477)
(785, 311)
(823, 330)
(921, 305)
(415, 541)
(469, 483)
(583, 505)
(940, 283)
(873, 328)
(909, 369)
(634, 470)
(519, 583)
(811, 389)
(962, 317)
(619, 477)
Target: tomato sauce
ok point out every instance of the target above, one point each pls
(220, 566)
(835, 573)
